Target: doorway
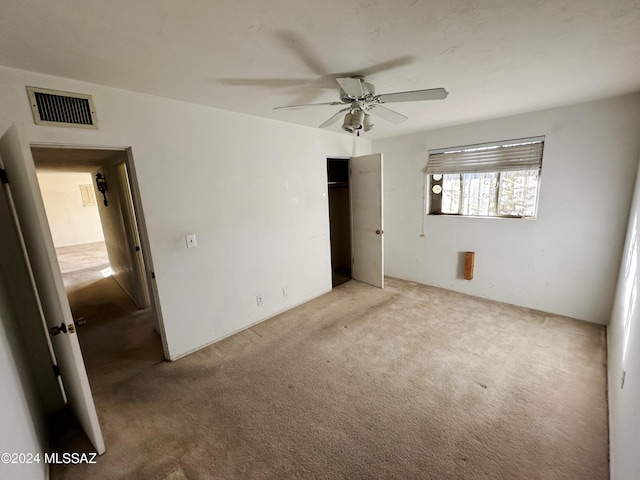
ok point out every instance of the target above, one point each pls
(100, 255)
(356, 219)
(339, 219)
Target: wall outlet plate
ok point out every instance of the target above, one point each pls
(191, 240)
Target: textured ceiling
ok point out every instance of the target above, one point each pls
(495, 57)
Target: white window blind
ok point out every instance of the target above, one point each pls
(509, 155)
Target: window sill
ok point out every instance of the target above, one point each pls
(455, 215)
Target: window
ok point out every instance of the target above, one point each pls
(499, 179)
(88, 195)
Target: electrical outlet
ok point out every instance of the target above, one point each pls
(259, 300)
(285, 291)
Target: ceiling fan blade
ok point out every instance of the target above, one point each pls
(416, 95)
(308, 105)
(303, 49)
(387, 114)
(264, 82)
(351, 86)
(388, 65)
(334, 118)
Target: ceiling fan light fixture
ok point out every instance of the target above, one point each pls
(368, 125)
(347, 124)
(358, 119)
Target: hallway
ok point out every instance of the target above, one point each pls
(118, 341)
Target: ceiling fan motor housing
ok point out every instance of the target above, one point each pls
(368, 91)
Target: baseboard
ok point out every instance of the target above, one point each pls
(533, 309)
(127, 292)
(173, 358)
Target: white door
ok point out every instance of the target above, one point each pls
(367, 239)
(133, 237)
(31, 221)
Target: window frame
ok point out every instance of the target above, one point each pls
(433, 201)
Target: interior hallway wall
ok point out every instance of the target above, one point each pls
(118, 246)
(566, 261)
(71, 222)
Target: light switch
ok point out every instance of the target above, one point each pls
(191, 240)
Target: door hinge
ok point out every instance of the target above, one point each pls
(56, 370)
(137, 248)
(58, 330)
(3, 176)
(153, 274)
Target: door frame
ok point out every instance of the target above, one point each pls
(353, 216)
(136, 200)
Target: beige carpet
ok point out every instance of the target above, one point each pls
(409, 382)
(82, 257)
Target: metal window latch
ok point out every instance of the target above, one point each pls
(58, 330)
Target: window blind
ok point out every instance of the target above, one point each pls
(509, 155)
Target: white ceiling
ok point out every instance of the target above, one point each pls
(495, 57)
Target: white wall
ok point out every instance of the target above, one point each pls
(254, 191)
(71, 223)
(119, 249)
(623, 337)
(564, 262)
(22, 422)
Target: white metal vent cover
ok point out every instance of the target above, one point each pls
(63, 109)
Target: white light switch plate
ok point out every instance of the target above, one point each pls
(191, 240)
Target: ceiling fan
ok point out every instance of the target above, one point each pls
(361, 98)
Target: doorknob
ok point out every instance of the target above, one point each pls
(58, 330)
(378, 232)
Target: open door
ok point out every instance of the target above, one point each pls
(31, 223)
(367, 239)
(133, 235)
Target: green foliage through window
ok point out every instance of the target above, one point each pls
(511, 190)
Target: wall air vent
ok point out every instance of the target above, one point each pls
(63, 109)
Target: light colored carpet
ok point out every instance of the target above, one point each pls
(409, 382)
(81, 257)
